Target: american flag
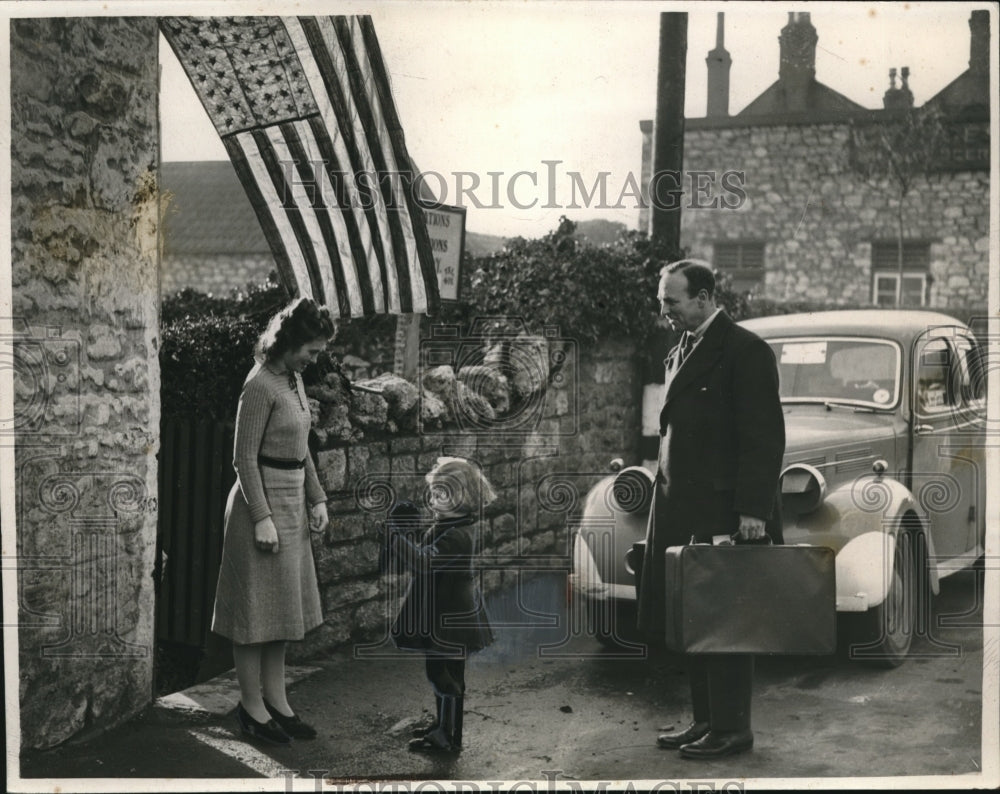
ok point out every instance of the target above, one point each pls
(304, 108)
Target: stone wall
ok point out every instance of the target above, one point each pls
(377, 448)
(213, 273)
(84, 218)
(818, 220)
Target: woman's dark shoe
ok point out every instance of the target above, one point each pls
(269, 731)
(293, 726)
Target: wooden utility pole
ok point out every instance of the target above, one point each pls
(667, 180)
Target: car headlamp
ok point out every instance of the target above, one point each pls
(803, 488)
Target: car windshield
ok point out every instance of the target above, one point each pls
(843, 370)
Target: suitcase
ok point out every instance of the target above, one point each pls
(757, 599)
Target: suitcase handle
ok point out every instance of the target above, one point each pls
(736, 540)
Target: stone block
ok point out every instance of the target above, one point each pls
(434, 412)
(373, 617)
(347, 594)
(400, 395)
(470, 409)
(349, 561)
(405, 444)
(504, 528)
(490, 383)
(348, 526)
(332, 633)
(332, 469)
(368, 411)
(403, 464)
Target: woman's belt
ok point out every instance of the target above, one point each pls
(280, 463)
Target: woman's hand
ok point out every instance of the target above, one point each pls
(265, 535)
(318, 519)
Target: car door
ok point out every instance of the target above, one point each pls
(947, 473)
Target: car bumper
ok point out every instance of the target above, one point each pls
(590, 590)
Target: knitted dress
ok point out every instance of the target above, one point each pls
(262, 596)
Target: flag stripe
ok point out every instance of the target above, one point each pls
(356, 269)
(392, 207)
(394, 186)
(307, 193)
(424, 258)
(282, 189)
(272, 233)
(344, 162)
(325, 50)
(273, 208)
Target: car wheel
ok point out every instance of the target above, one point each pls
(884, 633)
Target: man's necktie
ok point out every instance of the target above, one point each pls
(687, 342)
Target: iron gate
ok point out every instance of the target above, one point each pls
(195, 476)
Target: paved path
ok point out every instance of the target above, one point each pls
(538, 710)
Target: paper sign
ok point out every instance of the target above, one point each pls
(803, 353)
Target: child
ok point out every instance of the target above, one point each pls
(442, 614)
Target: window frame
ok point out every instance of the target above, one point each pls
(755, 274)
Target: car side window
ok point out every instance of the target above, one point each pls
(934, 387)
(971, 374)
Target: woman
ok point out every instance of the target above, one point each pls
(267, 592)
(442, 614)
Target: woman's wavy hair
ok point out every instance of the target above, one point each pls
(300, 322)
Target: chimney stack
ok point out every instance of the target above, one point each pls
(898, 98)
(979, 46)
(719, 63)
(798, 59)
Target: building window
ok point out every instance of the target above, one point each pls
(885, 273)
(914, 289)
(743, 262)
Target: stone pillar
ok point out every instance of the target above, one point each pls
(84, 226)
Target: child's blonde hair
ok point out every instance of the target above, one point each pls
(464, 481)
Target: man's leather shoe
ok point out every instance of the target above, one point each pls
(672, 741)
(718, 744)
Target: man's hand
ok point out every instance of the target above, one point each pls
(318, 519)
(265, 535)
(751, 528)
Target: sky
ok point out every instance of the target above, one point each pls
(506, 86)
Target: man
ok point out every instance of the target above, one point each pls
(722, 439)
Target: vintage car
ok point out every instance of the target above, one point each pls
(885, 418)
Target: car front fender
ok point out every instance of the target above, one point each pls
(610, 522)
(860, 521)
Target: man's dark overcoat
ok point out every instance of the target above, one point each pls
(443, 611)
(724, 432)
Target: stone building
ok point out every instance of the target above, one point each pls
(785, 217)
(212, 241)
